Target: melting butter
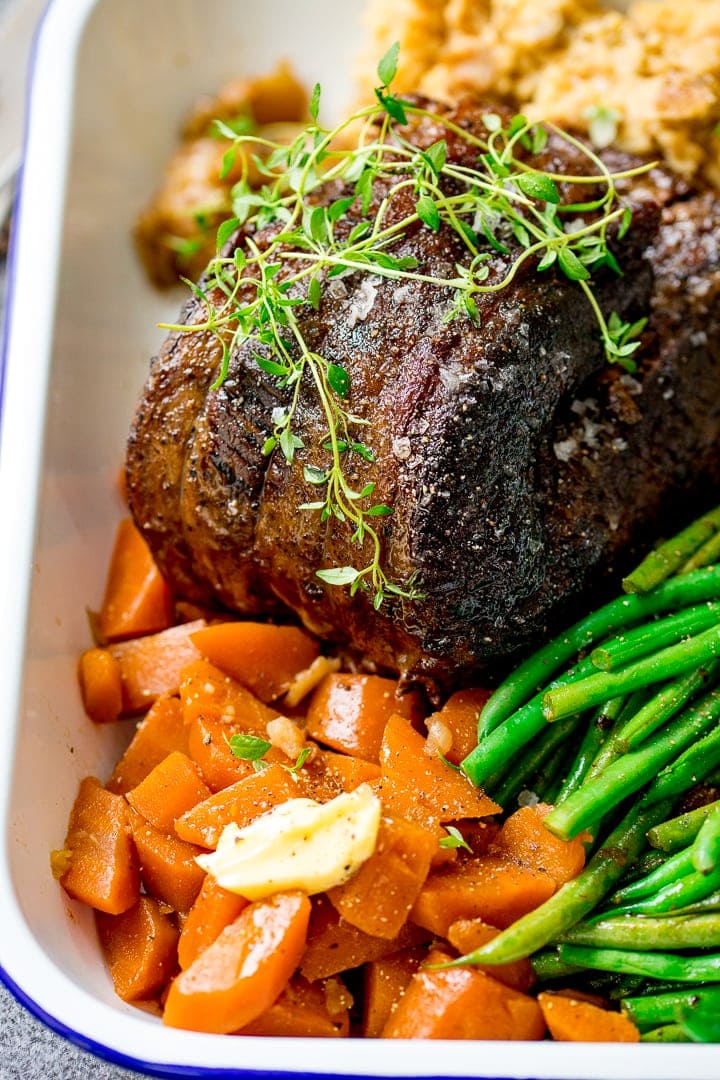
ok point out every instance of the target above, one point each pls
(301, 844)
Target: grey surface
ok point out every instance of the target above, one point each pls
(28, 1049)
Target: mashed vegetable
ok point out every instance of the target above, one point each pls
(647, 79)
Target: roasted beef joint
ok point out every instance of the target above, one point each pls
(522, 469)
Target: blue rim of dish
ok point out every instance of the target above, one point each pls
(198, 1072)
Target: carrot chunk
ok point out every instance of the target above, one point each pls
(306, 1010)
(378, 898)
(460, 715)
(173, 787)
(237, 978)
(385, 981)
(158, 734)
(573, 1020)
(421, 787)
(462, 1003)
(100, 685)
(167, 865)
(349, 712)
(466, 935)
(241, 803)
(485, 887)
(150, 666)
(333, 945)
(137, 598)
(264, 658)
(139, 948)
(102, 870)
(525, 838)
(207, 691)
(213, 910)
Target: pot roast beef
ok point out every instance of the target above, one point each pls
(522, 468)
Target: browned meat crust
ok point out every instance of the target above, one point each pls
(522, 470)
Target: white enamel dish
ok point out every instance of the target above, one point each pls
(111, 80)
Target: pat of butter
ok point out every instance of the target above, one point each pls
(301, 844)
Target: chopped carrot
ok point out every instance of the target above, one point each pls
(349, 712)
(167, 865)
(137, 598)
(240, 803)
(207, 691)
(317, 1010)
(333, 945)
(460, 715)
(385, 981)
(345, 772)
(379, 896)
(139, 948)
(421, 787)
(102, 867)
(150, 666)
(209, 748)
(572, 1020)
(213, 910)
(525, 838)
(158, 734)
(100, 685)
(462, 1003)
(237, 978)
(466, 935)
(263, 657)
(486, 887)
(173, 787)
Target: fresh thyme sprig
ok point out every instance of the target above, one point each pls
(500, 204)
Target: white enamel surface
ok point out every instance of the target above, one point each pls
(112, 79)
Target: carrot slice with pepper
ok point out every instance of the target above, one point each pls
(421, 787)
(384, 982)
(349, 712)
(167, 865)
(174, 786)
(237, 978)
(525, 838)
(102, 867)
(462, 1003)
(139, 948)
(213, 910)
(572, 1020)
(466, 935)
(263, 657)
(317, 1010)
(158, 734)
(137, 598)
(460, 715)
(100, 681)
(150, 666)
(241, 803)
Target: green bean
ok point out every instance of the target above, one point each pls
(630, 932)
(549, 780)
(654, 965)
(706, 848)
(632, 771)
(678, 894)
(668, 1033)
(663, 706)
(546, 965)
(670, 556)
(708, 553)
(490, 757)
(702, 1023)
(650, 1010)
(536, 755)
(595, 736)
(675, 867)
(707, 906)
(612, 746)
(688, 769)
(680, 831)
(652, 636)
(665, 664)
(576, 898)
(529, 678)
